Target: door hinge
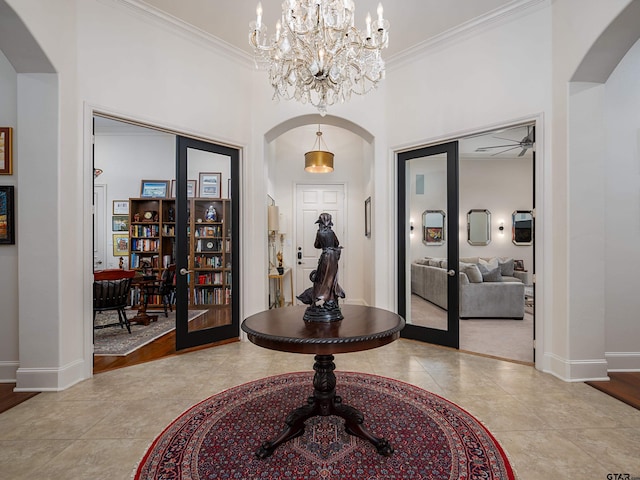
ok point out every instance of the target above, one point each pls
(533, 278)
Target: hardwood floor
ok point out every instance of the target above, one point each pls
(9, 398)
(162, 347)
(623, 386)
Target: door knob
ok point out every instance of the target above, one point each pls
(451, 273)
(184, 271)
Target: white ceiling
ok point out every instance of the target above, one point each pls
(412, 21)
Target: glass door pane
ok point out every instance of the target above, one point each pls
(428, 240)
(206, 286)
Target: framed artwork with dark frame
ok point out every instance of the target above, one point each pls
(192, 188)
(120, 244)
(367, 217)
(7, 216)
(210, 184)
(518, 265)
(154, 188)
(6, 153)
(120, 223)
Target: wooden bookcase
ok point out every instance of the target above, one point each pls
(152, 242)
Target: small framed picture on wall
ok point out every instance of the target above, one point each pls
(121, 207)
(6, 153)
(210, 184)
(120, 244)
(7, 219)
(120, 223)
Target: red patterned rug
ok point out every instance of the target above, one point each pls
(432, 437)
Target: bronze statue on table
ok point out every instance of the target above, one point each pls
(323, 296)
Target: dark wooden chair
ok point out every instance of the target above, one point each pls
(111, 292)
(165, 288)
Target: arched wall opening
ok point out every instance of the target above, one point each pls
(285, 145)
(604, 197)
(30, 357)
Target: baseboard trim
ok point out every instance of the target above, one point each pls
(8, 371)
(623, 361)
(575, 370)
(49, 379)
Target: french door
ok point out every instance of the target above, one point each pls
(428, 227)
(207, 243)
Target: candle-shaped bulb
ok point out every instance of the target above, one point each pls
(380, 12)
(321, 58)
(259, 14)
(368, 25)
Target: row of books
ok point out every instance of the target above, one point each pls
(144, 245)
(145, 230)
(135, 260)
(213, 278)
(208, 261)
(168, 230)
(212, 296)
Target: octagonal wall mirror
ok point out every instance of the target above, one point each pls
(479, 227)
(433, 230)
(522, 227)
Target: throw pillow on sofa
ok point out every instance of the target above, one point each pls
(490, 273)
(506, 266)
(471, 271)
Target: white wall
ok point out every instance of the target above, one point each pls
(621, 225)
(8, 253)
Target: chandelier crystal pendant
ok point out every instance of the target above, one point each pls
(317, 55)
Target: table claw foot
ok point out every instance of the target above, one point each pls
(265, 450)
(384, 447)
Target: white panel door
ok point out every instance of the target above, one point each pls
(311, 201)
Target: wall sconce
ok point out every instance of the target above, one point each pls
(411, 227)
(501, 228)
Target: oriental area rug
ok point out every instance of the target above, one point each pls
(432, 437)
(117, 341)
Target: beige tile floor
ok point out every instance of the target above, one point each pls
(100, 428)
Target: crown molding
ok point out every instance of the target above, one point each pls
(464, 30)
(186, 30)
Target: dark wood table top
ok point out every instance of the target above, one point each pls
(362, 328)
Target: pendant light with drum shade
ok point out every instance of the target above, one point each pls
(318, 160)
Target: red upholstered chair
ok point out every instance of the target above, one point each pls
(111, 292)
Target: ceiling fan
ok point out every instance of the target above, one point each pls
(526, 143)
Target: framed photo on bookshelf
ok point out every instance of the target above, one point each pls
(154, 188)
(120, 223)
(210, 184)
(6, 153)
(7, 216)
(121, 207)
(120, 244)
(192, 188)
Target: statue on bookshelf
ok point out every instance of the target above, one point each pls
(211, 215)
(323, 296)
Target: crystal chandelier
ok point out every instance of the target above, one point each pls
(317, 55)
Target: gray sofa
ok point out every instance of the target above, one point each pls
(484, 293)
